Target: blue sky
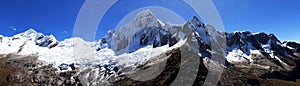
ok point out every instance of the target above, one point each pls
(281, 17)
(57, 17)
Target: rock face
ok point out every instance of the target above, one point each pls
(167, 76)
(46, 41)
(38, 38)
(151, 36)
(295, 47)
(105, 42)
(200, 31)
(260, 59)
(254, 44)
(124, 34)
(201, 34)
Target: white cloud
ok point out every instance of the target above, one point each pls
(13, 28)
(64, 32)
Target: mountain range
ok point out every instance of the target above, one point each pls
(138, 44)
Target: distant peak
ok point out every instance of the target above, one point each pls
(30, 31)
(196, 22)
(145, 13)
(260, 33)
(242, 32)
(195, 18)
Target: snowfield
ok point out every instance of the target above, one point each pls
(76, 50)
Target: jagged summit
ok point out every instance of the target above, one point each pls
(200, 29)
(27, 39)
(242, 46)
(33, 36)
(123, 35)
(30, 34)
(30, 31)
(121, 38)
(294, 46)
(145, 18)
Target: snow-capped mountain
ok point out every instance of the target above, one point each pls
(123, 35)
(292, 46)
(245, 46)
(18, 42)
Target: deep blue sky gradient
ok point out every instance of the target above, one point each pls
(57, 17)
(281, 17)
(118, 11)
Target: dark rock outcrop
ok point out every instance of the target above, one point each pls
(28, 70)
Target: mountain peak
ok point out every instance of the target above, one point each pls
(145, 18)
(145, 12)
(30, 31)
(123, 35)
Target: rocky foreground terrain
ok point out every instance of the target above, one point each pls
(27, 70)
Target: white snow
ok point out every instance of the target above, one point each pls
(236, 55)
(256, 33)
(76, 50)
(267, 46)
(144, 54)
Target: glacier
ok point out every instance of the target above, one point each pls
(64, 51)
